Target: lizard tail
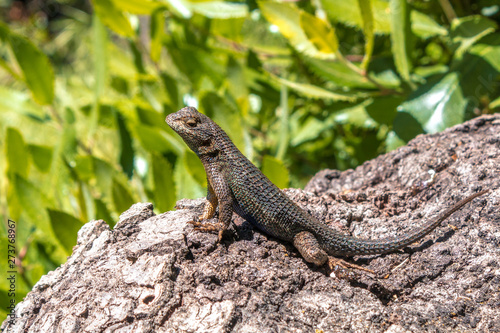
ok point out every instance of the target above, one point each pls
(358, 246)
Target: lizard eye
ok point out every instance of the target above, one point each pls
(191, 123)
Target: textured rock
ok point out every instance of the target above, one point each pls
(155, 274)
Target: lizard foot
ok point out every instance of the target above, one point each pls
(208, 227)
(341, 268)
(343, 273)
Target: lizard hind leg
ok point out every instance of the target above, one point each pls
(312, 252)
(309, 248)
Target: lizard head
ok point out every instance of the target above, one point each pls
(196, 129)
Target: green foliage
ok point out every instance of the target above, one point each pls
(275, 169)
(34, 65)
(400, 37)
(297, 86)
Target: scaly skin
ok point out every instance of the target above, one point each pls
(235, 184)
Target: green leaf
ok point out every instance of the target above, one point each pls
(186, 184)
(219, 9)
(406, 127)
(197, 64)
(113, 18)
(48, 256)
(383, 109)
(319, 33)
(148, 116)
(154, 139)
(37, 269)
(170, 85)
(122, 197)
(100, 56)
(479, 70)
(64, 151)
(312, 91)
(287, 18)
(195, 167)
(138, 7)
(99, 46)
(424, 26)
(338, 73)
(488, 50)
(355, 115)
(468, 30)
(365, 8)
(41, 156)
(34, 64)
(344, 11)
(126, 150)
(16, 153)
(347, 13)
(164, 186)
(84, 167)
(153, 94)
(102, 212)
(309, 130)
(84, 199)
(104, 175)
(180, 7)
(229, 28)
(19, 102)
(429, 71)
(210, 9)
(236, 79)
(435, 106)
(400, 37)
(276, 171)
(157, 33)
(495, 104)
(392, 141)
(36, 209)
(284, 124)
(65, 228)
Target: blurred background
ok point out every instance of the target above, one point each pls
(299, 86)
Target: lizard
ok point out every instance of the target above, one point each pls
(234, 184)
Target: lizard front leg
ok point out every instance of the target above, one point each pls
(221, 196)
(211, 205)
(208, 210)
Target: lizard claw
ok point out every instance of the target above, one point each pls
(196, 223)
(342, 269)
(207, 227)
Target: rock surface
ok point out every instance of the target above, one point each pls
(153, 273)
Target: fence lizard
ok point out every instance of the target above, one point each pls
(235, 184)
